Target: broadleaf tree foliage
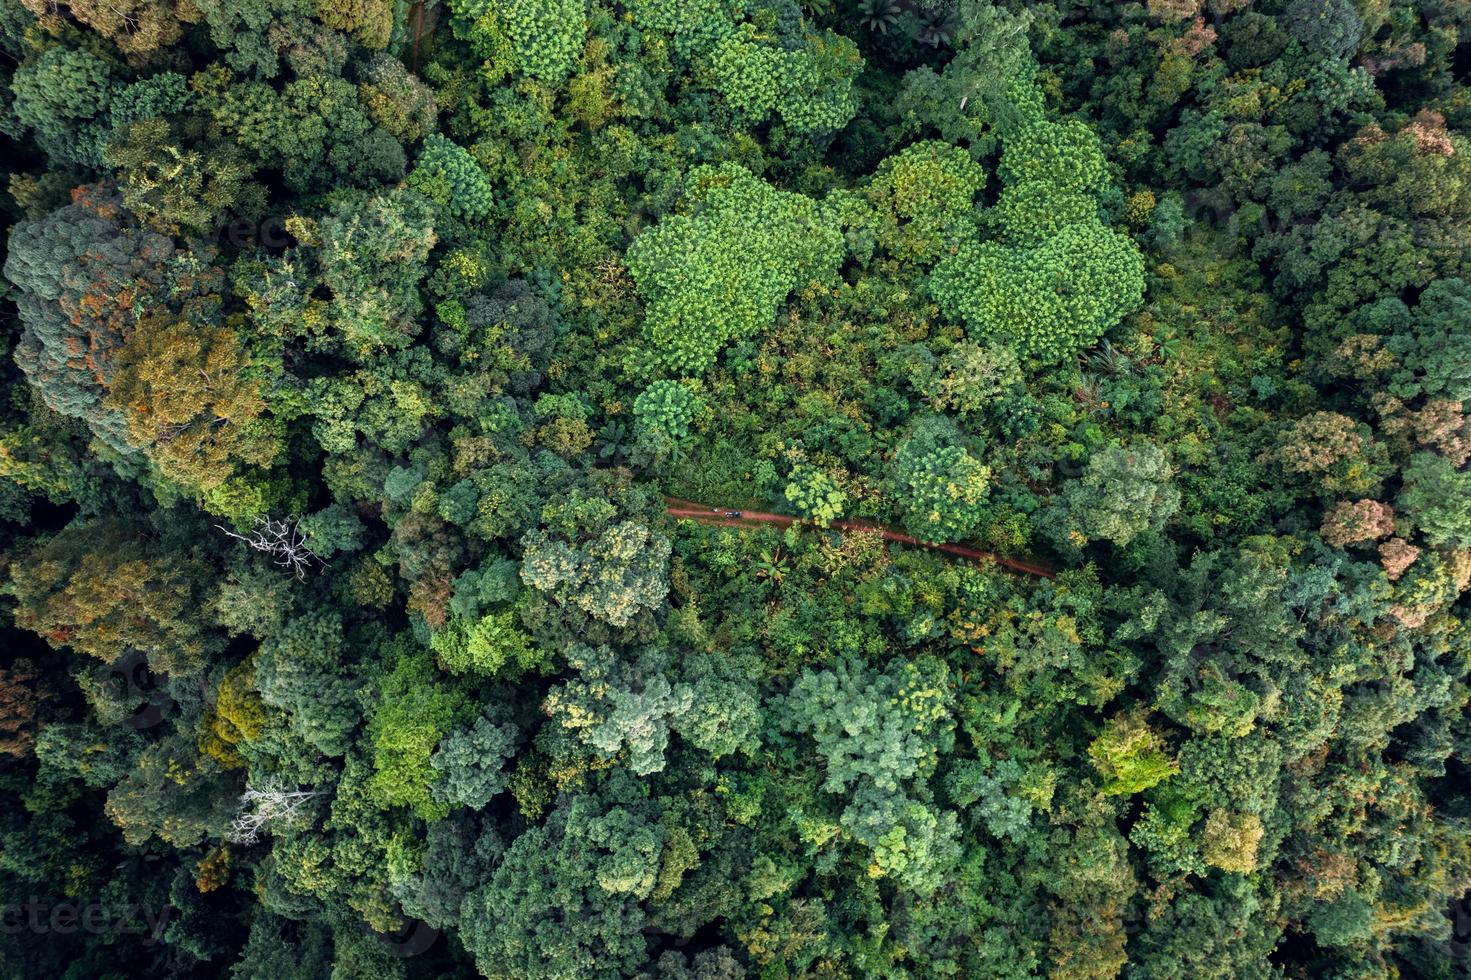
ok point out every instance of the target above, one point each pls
(735, 488)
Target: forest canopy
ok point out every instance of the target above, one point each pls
(684, 489)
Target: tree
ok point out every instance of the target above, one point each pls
(493, 645)
(1435, 358)
(284, 949)
(1434, 498)
(138, 28)
(540, 39)
(457, 859)
(188, 398)
(283, 541)
(564, 901)
(1045, 302)
(172, 792)
(508, 333)
(976, 90)
(62, 95)
(613, 576)
(263, 806)
(694, 27)
(236, 719)
(373, 253)
(1231, 840)
(85, 272)
(1332, 28)
(880, 736)
(396, 100)
(971, 379)
(370, 22)
(331, 530)
(171, 189)
(886, 727)
(725, 711)
(1123, 493)
(411, 712)
(1357, 522)
(1225, 634)
(450, 177)
(1130, 755)
(618, 702)
(470, 762)
(941, 488)
(721, 271)
(808, 80)
(814, 495)
(304, 673)
(1345, 921)
(314, 129)
(21, 697)
(1054, 279)
(1212, 931)
(924, 199)
(665, 410)
(106, 587)
(1334, 451)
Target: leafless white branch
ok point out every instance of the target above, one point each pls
(263, 805)
(282, 540)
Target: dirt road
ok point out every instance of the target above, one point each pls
(687, 510)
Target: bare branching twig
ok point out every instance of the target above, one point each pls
(282, 540)
(259, 807)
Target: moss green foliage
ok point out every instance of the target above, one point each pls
(1130, 756)
(493, 645)
(923, 197)
(944, 487)
(814, 495)
(666, 408)
(693, 26)
(719, 272)
(450, 177)
(808, 84)
(1046, 301)
(413, 713)
(1054, 277)
(675, 489)
(540, 38)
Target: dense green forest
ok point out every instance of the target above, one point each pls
(476, 479)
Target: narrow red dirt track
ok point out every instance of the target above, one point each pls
(687, 510)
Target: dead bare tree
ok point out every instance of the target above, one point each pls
(282, 540)
(269, 803)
